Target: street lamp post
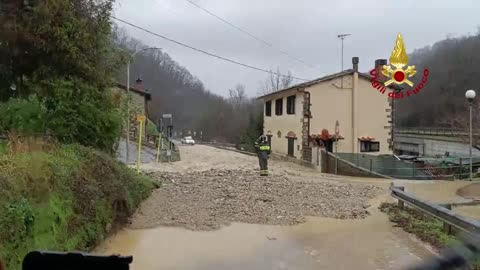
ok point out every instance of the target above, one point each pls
(127, 143)
(470, 95)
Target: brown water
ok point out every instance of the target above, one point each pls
(443, 192)
(320, 243)
(471, 211)
(435, 191)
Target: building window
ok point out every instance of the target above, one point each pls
(369, 146)
(279, 106)
(291, 104)
(268, 108)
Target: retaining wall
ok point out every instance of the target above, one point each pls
(345, 167)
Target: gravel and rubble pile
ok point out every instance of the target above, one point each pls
(210, 199)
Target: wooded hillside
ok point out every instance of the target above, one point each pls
(175, 90)
(454, 65)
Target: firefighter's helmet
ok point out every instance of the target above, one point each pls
(263, 139)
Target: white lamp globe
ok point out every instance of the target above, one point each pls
(470, 94)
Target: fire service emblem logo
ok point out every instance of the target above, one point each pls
(398, 72)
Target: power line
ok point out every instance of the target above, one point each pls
(250, 34)
(205, 52)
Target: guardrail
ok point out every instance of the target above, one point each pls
(434, 131)
(217, 144)
(442, 213)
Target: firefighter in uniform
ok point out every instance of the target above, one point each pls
(263, 153)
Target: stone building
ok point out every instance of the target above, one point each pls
(140, 98)
(346, 101)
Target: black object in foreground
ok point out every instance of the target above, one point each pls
(45, 260)
(460, 256)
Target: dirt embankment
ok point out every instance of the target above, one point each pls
(66, 198)
(209, 199)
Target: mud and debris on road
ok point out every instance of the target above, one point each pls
(210, 188)
(207, 200)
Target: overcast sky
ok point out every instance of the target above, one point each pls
(306, 29)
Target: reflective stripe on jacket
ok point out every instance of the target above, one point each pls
(265, 148)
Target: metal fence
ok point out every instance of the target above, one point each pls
(423, 169)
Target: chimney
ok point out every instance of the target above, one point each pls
(139, 84)
(379, 63)
(355, 61)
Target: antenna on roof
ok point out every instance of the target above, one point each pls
(342, 37)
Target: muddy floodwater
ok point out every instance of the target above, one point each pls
(471, 211)
(320, 243)
(369, 243)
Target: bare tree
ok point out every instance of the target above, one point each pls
(237, 96)
(276, 81)
(174, 89)
(459, 124)
(453, 66)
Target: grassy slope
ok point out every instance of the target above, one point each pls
(3, 147)
(65, 199)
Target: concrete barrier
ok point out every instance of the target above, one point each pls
(217, 144)
(233, 150)
(275, 156)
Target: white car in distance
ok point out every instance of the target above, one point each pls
(188, 140)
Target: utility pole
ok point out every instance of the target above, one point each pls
(342, 37)
(132, 56)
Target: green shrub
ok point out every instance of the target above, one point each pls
(63, 200)
(78, 112)
(151, 128)
(25, 116)
(70, 110)
(250, 135)
(413, 221)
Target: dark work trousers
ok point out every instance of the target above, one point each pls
(263, 164)
(263, 161)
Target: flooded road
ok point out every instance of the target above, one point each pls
(443, 192)
(437, 191)
(471, 211)
(319, 243)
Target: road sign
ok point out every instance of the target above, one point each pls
(141, 118)
(169, 115)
